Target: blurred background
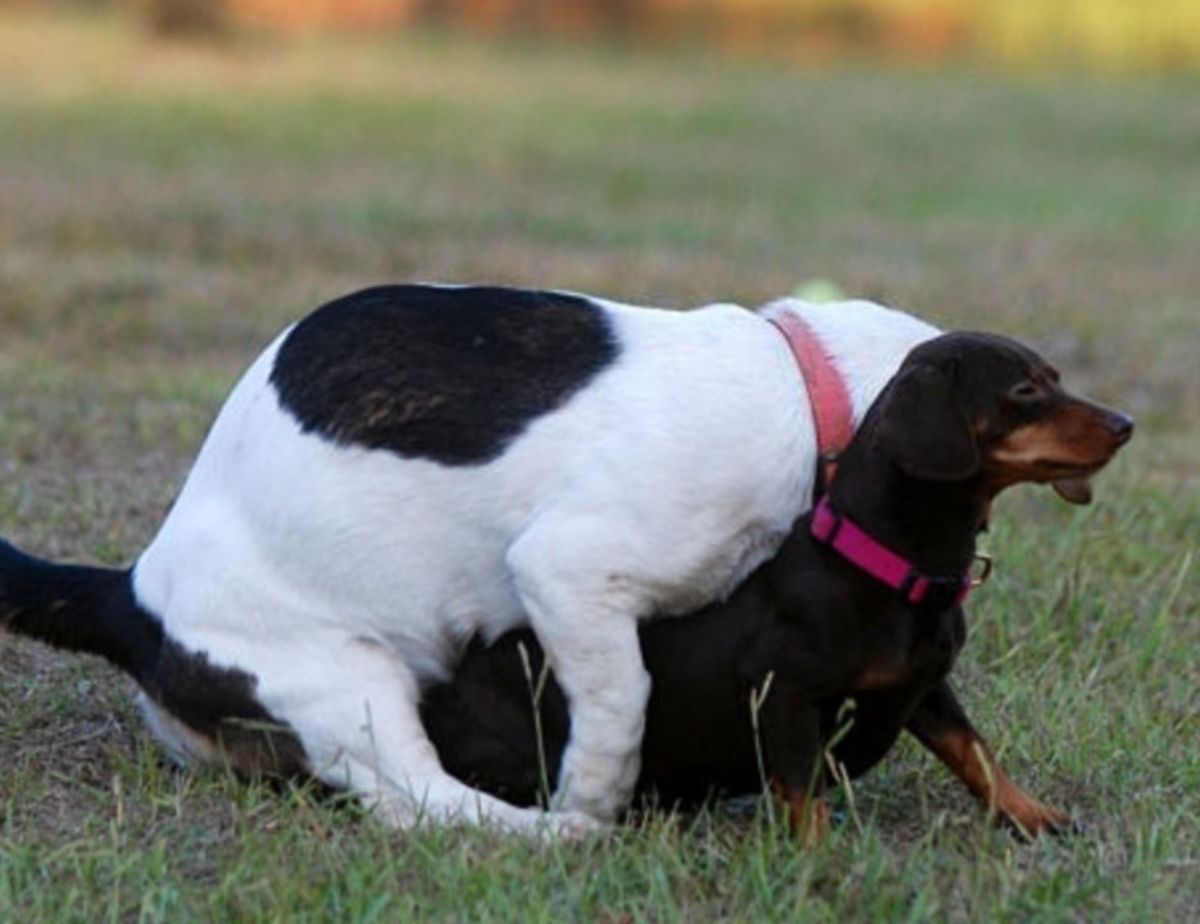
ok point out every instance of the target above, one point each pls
(1154, 34)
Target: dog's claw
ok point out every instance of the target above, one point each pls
(1072, 828)
(1047, 821)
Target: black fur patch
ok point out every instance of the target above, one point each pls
(220, 704)
(77, 608)
(447, 374)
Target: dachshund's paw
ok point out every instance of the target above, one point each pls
(1030, 819)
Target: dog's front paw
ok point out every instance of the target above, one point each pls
(808, 816)
(571, 826)
(599, 785)
(1028, 818)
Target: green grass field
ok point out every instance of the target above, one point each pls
(165, 210)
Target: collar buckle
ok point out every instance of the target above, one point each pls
(981, 577)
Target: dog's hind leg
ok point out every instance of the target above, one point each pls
(354, 709)
(942, 726)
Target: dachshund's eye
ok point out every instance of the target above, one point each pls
(1025, 392)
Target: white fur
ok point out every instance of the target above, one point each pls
(344, 578)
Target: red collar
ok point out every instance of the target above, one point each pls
(831, 408)
(858, 547)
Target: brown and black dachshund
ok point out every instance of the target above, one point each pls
(966, 416)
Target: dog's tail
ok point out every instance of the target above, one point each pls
(78, 608)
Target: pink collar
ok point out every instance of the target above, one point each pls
(832, 411)
(858, 547)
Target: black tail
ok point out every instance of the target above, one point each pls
(78, 608)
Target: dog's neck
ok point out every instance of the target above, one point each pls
(932, 523)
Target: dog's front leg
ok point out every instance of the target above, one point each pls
(791, 740)
(584, 611)
(942, 726)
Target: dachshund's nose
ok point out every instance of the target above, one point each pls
(1121, 427)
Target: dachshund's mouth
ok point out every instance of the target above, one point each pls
(1076, 490)
(1072, 481)
(1066, 457)
(1074, 484)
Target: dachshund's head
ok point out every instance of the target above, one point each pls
(973, 405)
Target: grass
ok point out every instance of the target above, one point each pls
(165, 210)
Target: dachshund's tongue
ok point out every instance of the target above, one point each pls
(1074, 490)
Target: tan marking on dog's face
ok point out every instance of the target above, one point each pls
(1073, 442)
(1038, 446)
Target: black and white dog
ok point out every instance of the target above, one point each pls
(411, 466)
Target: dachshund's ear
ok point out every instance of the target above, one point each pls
(924, 429)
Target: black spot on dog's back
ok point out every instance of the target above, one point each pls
(447, 374)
